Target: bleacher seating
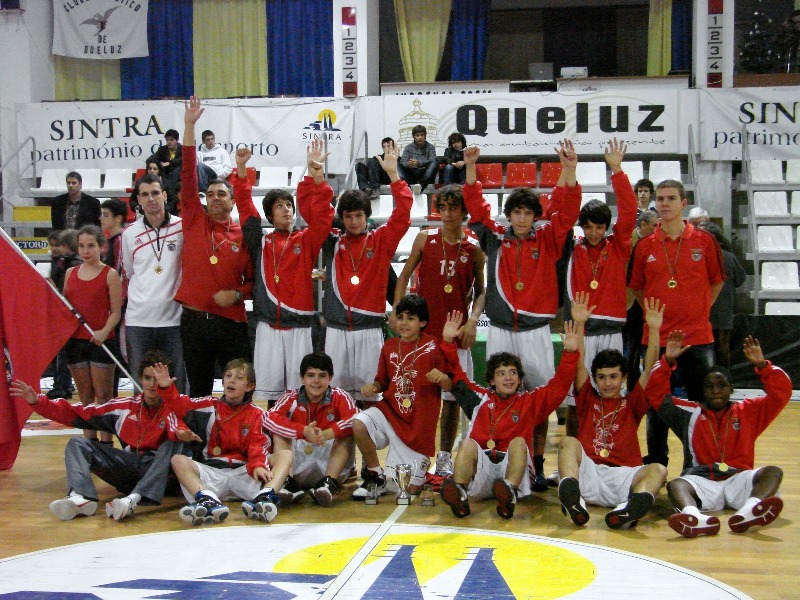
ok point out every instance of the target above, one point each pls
(550, 172)
(53, 180)
(779, 276)
(117, 181)
(589, 196)
(766, 171)
(490, 175)
(769, 204)
(382, 207)
(793, 171)
(273, 177)
(520, 175)
(634, 169)
(782, 308)
(90, 180)
(591, 173)
(659, 170)
(404, 247)
(775, 238)
(298, 172)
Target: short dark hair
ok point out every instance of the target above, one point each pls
(644, 183)
(117, 208)
(352, 200)
(220, 181)
(150, 178)
(503, 359)
(414, 305)
(69, 238)
(595, 211)
(457, 137)
(386, 139)
(272, 197)
(452, 194)
(172, 133)
(74, 175)
(156, 163)
(720, 370)
(316, 360)
(95, 232)
(419, 129)
(523, 197)
(206, 133)
(54, 236)
(672, 183)
(608, 359)
(151, 357)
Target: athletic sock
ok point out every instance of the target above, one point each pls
(134, 497)
(538, 463)
(748, 504)
(691, 510)
(77, 498)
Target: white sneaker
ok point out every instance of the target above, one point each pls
(66, 509)
(444, 464)
(120, 508)
(690, 526)
(762, 513)
(362, 491)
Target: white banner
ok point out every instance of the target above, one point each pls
(771, 115)
(100, 29)
(123, 134)
(532, 123)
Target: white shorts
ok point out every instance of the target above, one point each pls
(465, 360)
(602, 485)
(227, 484)
(488, 472)
(534, 348)
(308, 469)
(592, 345)
(716, 495)
(355, 357)
(277, 357)
(382, 435)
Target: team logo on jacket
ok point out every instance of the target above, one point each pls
(245, 430)
(172, 245)
(370, 252)
(506, 244)
(651, 258)
(515, 417)
(297, 248)
(697, 254)
(736, 424)
(331, 417)
(234, 248)
(161, 424)
(535, 254)
(464, 258)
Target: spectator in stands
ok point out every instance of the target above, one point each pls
(169, 157)
(151, 258)
(63, 256)
(217, 273)
(214, 162)
(682, 267)
(113, 214)
(371, 176)
(418, 164)
(697, 216)
(723, 310)
(75, 209)
(454, 168)
(645, 189)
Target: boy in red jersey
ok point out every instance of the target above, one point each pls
(450, 277)
(410, 373)
(602, 465)
(719, 439)
(315, 422)
(522, 289)
(235, 461)
(496, 458)
(146, 428)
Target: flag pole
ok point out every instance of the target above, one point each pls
(72, 309)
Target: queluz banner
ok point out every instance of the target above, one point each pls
(100, 29)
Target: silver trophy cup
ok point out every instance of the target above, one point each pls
(402, 476)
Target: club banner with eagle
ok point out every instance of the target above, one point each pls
(100, 29)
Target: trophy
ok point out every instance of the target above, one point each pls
(372, 493)
(402, 476)
(426, 495)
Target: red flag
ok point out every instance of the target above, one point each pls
(34, 325)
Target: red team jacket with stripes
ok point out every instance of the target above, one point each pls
(294, 411)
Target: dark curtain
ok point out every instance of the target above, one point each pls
(581, 37)
(681, 35)
(300, 47)
(169, 70)
(469, 24)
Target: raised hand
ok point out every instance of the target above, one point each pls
(654, 313)
(389, 161)
(614, 152)
(162, 375)
(753, 353)
(673, 348)
(566, 154)
(452, 326)
(571, 336)
(580, 311)
(20, 389)
(243, 156)
(193, 111)
(316, 155)
(471, 155)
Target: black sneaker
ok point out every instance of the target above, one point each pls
(539, 482)
(204, 510)
(455, 496)
(323, 491)
(506, 498)
(368, 476)
(263, 507)
(572, 505)
(291, 492)
(57, 393)
(627, 515)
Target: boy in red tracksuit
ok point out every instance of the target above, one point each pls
(719, 439)
(315, 423)
(283, 295)
(235, 461)
(522, 289)
(496, 458)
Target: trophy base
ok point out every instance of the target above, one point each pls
(403, 501)
(427, 502)
(372, 501)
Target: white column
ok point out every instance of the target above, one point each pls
(356, 48)
(713, 43)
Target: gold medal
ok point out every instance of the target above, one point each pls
(520, 286)
(723, 467)
(604, 453)
(276, 278)
(308, 450)
(216, 451)
(490, 444)
(355, 280)
(594, 284)
(672, 283)
(448, 289)
(213, 259)
(406, 403)
(159, 269)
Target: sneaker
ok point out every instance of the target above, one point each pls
(290, 493)
(120, 508)
(263, 507)
(204, 511)
(506, 498)
(368, 476)
(324, 490)
(444, 464)
(455, 496)
(763, 513)
(539, 482)
(553, 480)
(66, 509)
(572, 505)
(57, 393)
(627, 514)
(689, 526)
